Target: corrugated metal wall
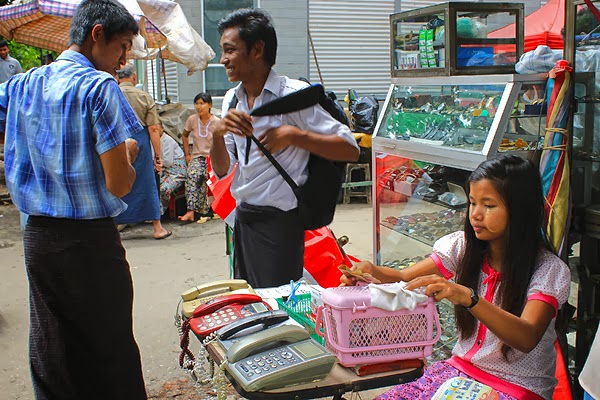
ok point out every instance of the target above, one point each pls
(352, 43)
(156, 88)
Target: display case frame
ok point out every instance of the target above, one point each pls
(452, 41)
(454, 157)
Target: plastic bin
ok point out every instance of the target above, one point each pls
(302, 313)
(358, 333)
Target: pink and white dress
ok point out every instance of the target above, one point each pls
(525, 375)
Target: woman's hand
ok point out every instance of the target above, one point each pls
(440, 288)
(188, 158)
(363, 266)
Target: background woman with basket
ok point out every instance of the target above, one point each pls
(507, 290)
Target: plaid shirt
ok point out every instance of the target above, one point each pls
(58, 119)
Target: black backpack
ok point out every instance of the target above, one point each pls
(317, 198)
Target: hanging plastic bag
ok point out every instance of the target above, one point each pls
(364, 114)
(323, 256)
(223, 202)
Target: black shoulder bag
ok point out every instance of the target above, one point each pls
(317, 198)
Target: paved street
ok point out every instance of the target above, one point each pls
(161, 269)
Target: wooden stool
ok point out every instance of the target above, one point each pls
(350, 185)
(176, 195)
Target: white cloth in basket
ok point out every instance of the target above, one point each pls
(394, 296)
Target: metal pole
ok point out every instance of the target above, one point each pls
(312, 46)
(153, 81)
(164, 74)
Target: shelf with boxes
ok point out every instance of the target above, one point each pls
(456, 38)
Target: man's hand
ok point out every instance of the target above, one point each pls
(236, 122)
(158, 165)
(188, 158)
(279, 138)
(132, 149)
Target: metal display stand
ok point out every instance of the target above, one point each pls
(341, 380)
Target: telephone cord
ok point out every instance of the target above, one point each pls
(220, 382)
(184, 343)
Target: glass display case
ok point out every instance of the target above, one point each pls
(457, 38)
(462, 120)
(430, 135)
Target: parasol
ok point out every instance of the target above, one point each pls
(163, 28)
(554, 162)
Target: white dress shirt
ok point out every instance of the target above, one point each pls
(258, 182)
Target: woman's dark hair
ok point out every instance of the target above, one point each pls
(204, 96)
(253, 25)
(112, 15)
(519, 184)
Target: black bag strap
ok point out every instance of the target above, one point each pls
(267, 153)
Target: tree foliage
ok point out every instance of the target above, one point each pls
(28, 56)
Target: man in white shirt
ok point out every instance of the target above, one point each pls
(268, 233)
(8, 65)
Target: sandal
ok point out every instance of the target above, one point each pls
(166, 235)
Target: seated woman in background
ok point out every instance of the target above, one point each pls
(197, 172)
(173, 172)
(508, 288)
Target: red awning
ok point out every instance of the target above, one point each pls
(542, 27)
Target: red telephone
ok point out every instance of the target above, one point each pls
(221, 311)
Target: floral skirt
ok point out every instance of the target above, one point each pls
(195, 186)
(172, 179)
(425, 387)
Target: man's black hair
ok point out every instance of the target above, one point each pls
(3, 43)
(253, 25)
(204, 96)
(112, 15)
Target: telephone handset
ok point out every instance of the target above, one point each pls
(278, 357)
(262, 320)
(201, 294)
(223, 286)
(256, 342)
(221, 311)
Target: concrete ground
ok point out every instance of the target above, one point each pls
(161, 269)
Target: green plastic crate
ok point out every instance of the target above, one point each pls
(300, 313)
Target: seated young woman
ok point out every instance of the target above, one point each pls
(508, 286)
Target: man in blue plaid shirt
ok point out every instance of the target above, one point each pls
(68, 161)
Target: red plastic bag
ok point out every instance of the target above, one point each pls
(323, 255)
(223, 203)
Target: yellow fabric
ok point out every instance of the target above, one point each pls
(363, 139)
(559, 210)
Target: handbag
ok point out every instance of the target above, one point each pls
(318, 196)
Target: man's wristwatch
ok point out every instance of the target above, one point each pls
(474, 299)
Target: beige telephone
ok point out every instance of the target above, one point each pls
(277, 357)
(198, 295)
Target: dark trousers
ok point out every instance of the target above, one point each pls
(268, 245)
(81, 343)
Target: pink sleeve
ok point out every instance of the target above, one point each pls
(447, 252)
(546, 299)
(551, 281)
(189, 124)
(438, 263)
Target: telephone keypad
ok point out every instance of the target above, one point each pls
(265, 362)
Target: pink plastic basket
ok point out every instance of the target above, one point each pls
(358, 333)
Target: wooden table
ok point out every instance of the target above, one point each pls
(341, 380)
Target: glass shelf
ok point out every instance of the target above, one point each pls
(456, 38)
